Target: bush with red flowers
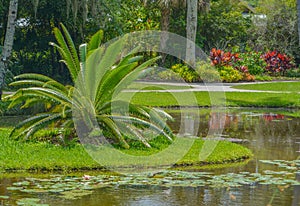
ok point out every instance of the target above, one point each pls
(222, 60)
(277, 63)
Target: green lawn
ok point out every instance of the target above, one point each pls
(232, 99)
(149, 86)
(37, 156)
(276, 86)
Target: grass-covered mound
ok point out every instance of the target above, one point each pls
(44, 156)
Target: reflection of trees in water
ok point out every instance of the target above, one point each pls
(270, 135)
(275, 126)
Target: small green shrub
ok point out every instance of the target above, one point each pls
(185, 72)
(263, 78)
(293, 73)
(207, 72)
(229, 74)
(253, 61)
(169, 75)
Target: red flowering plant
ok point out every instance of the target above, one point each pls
(222, 59)
(277, 63)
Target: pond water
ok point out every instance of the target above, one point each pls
(272, 135)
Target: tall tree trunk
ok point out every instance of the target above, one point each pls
(191, 29)
(298, 13)
(165, 21)
(8, 42)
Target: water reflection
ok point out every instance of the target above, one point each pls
(270, 135)
(178, 196)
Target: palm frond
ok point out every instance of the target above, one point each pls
(106, 88)
(95, 41)
(39, 124)
(138, 121)
(110, 125)
(109, 58)
(68, 52)
(130, 77)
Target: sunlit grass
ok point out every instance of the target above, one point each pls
(203, 99)
(44, 156)
(149, 86)
(272, 86)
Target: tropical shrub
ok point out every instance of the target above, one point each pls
(229, 74)
(277, 63)
(293, 73)
(226, 61)
(248, 77)
(207, 72)
(95, 93)
(219, 58)
(185, 72)
(168, 75)
(253, 61)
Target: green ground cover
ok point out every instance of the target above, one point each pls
(275, 86)
(232, 99)
(149, 86)
(39, 156)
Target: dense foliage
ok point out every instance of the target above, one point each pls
(226, 25)
(277, 62)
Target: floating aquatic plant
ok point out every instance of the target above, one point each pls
(68, 187)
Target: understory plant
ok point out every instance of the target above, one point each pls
(100, 78)
(226, 62)
(253, 61)
(207, 72)
(229, 74)
(277, 63)
(185, 72)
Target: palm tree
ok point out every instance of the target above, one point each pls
(298, 13)
(97, 79)
(191, 30)
(8, 42)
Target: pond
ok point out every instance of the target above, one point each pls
(271, 177)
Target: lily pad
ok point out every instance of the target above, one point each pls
(30, 202)
(75, 194)
(24, 183)
(14, 188)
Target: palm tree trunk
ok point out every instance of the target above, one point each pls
(191, 29)
(298, 13)
(9, 39)
(165, 21)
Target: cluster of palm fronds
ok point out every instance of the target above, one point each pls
(98, 77)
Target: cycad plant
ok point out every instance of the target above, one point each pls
(97, 80)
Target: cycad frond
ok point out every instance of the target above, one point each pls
(95, 41)
(99, 74)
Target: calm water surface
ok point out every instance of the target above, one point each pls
(271, 135)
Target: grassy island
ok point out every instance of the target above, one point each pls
(43, 156)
